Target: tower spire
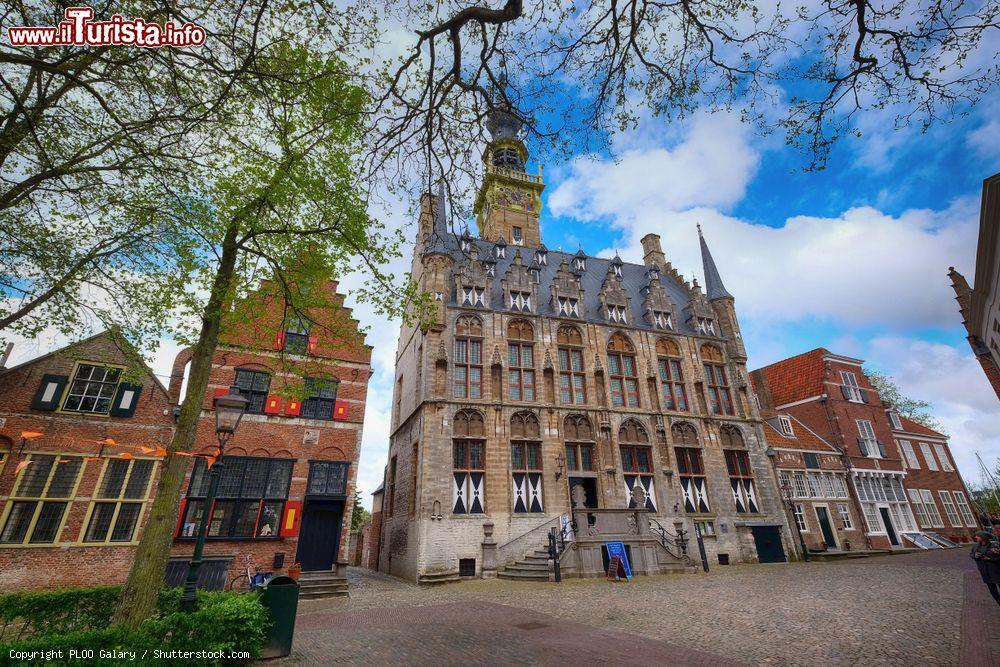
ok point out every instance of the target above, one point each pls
(714, 289)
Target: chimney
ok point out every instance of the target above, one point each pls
(652, 253)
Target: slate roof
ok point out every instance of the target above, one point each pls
(634, 279)
(714, 288)
(796, 378)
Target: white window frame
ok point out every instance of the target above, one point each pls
(800, 518)
(894, 420)
(964, 510)
(662, 320)
(520, 301)
(473, 296)
(925, 449)
(500, 251)
(706, 326)
(942, 455)
(617, 314)
(580, 263)
(869, 439)
(617, 269)
(845, 516)
(909, 455)
(569, 306)
(949, 509)
(786, 426)
(933, 515)
(850, 380)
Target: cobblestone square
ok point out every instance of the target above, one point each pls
(912, 609)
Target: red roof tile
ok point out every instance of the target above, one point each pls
(796, 378)
(804, 438)
(913, 427)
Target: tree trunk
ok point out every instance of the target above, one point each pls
(139, 596)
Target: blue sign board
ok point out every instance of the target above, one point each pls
(618, 549)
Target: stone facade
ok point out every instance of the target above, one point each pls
(543, 371)
(291, 467)
(77, 472)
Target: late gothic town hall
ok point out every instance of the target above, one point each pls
(605, 399)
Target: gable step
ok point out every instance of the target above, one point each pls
(528, 567)
(438, 578)
(523, 575)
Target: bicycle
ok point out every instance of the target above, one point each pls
(251, 579)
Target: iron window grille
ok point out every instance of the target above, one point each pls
(327, 478)
(250, 500)
(321, 398)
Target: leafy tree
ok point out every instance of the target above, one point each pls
(278, 200)
(911, 408)
(360, 517)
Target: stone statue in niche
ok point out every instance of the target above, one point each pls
(639, 496)
(579, 496)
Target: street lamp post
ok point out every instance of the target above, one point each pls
(229, 411)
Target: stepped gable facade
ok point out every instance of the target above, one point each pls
(547, 376)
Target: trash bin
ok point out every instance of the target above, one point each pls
(281, 597)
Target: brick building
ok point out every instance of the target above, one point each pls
(831, 395)
(372, 533)
(79, 433)
(937, 493)
(548, 376)
(291, 467)
(812, 473)
(980, 304)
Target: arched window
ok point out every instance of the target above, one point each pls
(684, 434)
(731, 437)
(622, 372)
(526, 462)
(520, 361)
(469, 465)
(637, 462)
(579, 436)
(572, 383)
(715, 380)
(668, 361)
(468, 375)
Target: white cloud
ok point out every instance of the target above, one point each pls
(954, 382)
(861, 268)
(983, 139)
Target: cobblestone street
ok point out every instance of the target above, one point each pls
(922, 608)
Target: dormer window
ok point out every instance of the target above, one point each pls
(617, 269)
(580, 264)
(654, 273)
(617, 314)
(466, 243)
(500, 251)
(520, 301)
(569, 307)
(706, 326)
(662, 320)
(491, 269)
(516, 236)
(786, 426)
(533, 275)
(473, 296)
(894, 420)
(439, 296)
(542, 257)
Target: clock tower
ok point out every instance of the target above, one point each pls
(509, 201)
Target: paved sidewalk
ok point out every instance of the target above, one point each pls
(915, 609)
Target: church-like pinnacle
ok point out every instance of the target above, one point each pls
(714, 289)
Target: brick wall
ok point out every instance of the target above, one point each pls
(68, 560)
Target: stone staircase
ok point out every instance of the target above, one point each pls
(533, 567)
(324, 584)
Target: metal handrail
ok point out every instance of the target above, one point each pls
(557, 545)
(674, 543)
